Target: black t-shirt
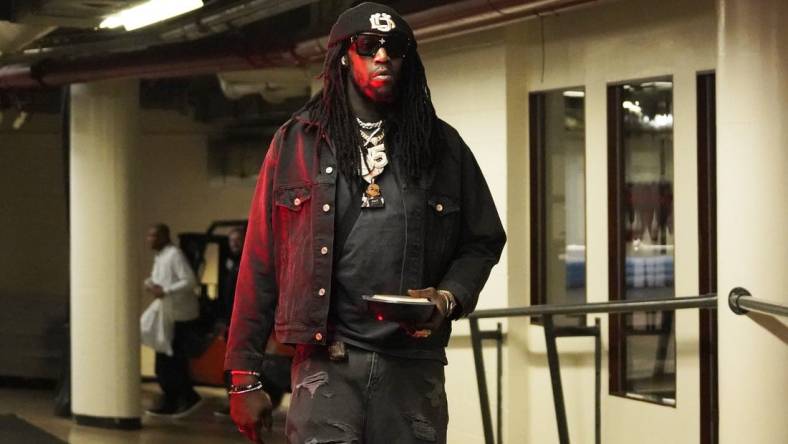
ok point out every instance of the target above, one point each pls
(371, 262)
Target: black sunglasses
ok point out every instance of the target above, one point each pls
(367, 45)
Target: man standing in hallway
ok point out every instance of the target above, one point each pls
(172, 280)
(235, 242)
(229, 270)
(364, 191)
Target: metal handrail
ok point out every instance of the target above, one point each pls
(703, 301)
(708, 301)
(742, 302)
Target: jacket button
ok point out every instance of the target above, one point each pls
(321, 292)
(326, 208)
(329, 170)
(324, 250)
(439, 208)
(318, 336)
(296, 201)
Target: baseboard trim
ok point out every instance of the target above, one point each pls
(109, 423)
(21, 382)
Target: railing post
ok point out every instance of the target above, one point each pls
(598, 382)
(499, 382)
(481, 380)
(555, 376)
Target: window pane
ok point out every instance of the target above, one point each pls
(564, 198)
(650, 361)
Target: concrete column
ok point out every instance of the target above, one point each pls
(105, 348)
(752, 178)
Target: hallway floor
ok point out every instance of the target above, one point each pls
(202, 427)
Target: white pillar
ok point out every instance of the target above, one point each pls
(105, 348)
(752, 185)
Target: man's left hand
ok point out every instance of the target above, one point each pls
(439, 314)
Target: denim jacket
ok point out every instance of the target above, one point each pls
(453, 231)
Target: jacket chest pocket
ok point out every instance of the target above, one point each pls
(443, 205)
(292, 224)
(443, 224)
(293, 197)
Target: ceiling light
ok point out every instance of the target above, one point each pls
(150, 12)
(574, 94)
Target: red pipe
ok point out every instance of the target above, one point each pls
(17, 76)
(215, 55)
(470, 15)
(456, 18)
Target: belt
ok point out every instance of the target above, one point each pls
(337, 351)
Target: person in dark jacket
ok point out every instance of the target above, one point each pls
(229, 270)
(363, 192)
(275, 375)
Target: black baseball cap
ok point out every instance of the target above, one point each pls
(369, 17)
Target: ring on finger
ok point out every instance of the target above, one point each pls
(422, 333)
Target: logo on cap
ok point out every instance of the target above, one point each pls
(382, 22)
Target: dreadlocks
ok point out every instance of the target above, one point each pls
(413, 123)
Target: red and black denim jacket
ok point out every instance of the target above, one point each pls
(454, 238)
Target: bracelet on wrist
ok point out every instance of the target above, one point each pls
(451, 304)
(244, 372)
(239, 389)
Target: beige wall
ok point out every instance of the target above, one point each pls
(752, 157)
(33, 213)
(34, 238)
(617, 41)
(480, 84)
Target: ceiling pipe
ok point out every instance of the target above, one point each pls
(474, 15)
(457, 18)
(203, 23)
(215, 55)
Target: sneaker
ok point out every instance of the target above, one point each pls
(163, 411)
(188, 407)
(223, 412)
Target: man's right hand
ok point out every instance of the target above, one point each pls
(156, 290)
(251, 412)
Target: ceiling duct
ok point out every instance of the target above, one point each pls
(85, 14)
(474, 15)
(233, 17)
(456, 18)
(225, 54)
(213, 19)
(275, 85)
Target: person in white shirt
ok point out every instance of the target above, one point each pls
(172, 280)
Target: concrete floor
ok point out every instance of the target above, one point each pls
(202, 427)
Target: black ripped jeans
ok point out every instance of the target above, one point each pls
(367, 398)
